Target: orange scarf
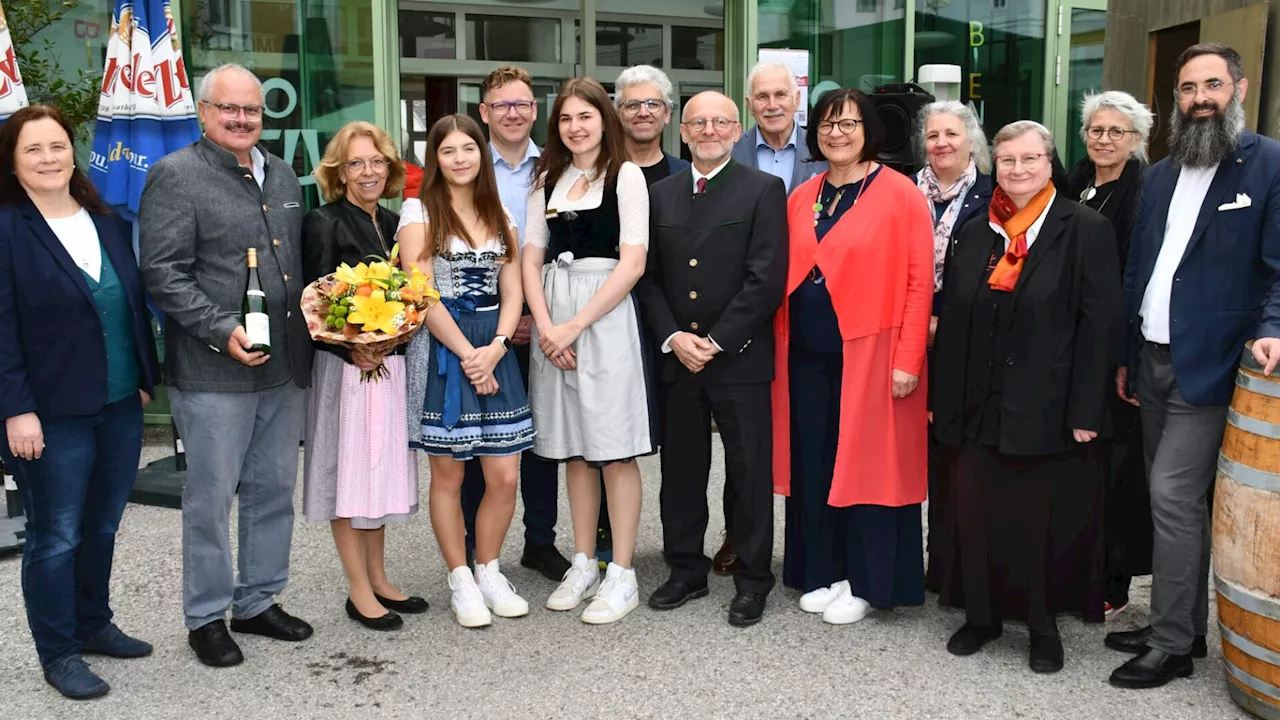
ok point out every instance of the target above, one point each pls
(1015, 223)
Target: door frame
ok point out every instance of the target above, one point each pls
(1057, 63)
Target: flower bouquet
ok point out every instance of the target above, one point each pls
(369, 309)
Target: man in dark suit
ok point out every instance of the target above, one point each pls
(1200, 281)
(716, 274)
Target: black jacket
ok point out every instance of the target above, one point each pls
(1066, 308)
(717, 267)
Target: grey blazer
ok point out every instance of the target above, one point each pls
(200, 212)
(744, 151)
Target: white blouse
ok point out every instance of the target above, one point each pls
(633, 205)
(412, 212)
(79, 236)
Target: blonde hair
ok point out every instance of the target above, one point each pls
(329, 172)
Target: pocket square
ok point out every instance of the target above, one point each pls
(1242, 201)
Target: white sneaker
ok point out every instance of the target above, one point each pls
(817, 601)
(499, 594)
(618, 596)
(468, 603)
(579, 583)
(846, 609)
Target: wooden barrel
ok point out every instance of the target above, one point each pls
(1246, 541)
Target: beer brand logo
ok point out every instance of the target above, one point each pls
(124, 26)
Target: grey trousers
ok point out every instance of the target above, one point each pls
(247, 441)
(1181, 442)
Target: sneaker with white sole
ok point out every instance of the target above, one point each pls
(499, 594)
(618, 596)
(816, 601)
(579, 583)
(1109, 611)
(468, 602)
(846, 609)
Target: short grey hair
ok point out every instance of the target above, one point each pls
(1125, 104)
(765, 66)
(639, 74)
(207, 82)
(1015, 130)
(978, 148)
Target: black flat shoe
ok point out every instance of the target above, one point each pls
(746, 609)
(547, 560)
(970, 638)
(390, 621)
(675, 593)
(1135, 641)
(274, 623)
(1046, 653)
(1151, 669)
(412, 605)
(214, 645)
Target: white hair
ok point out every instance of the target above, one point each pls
(765, 66)
(972, 129)
(638, 74)
(1015, 130)
(1125, 104)
(207, 82)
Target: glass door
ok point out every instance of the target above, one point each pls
(1075, 70)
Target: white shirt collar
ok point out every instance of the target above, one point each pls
(1032, 232)
(708, 176)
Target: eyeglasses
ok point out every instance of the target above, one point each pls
(1116, 134)
(847, 126)
(1208, 87)
(631, 107)
(719, 123)
(1029, 162)
(231, 110)
(522, 107)
(377, 165)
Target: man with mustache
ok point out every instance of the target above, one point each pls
(239, 413)
(777, 144)
(1200, 281)
(716, 273)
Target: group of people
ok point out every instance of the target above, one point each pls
(1048, 361)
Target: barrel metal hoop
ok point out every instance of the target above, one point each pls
(1246, 600)
(1248, 647)
(1271, 691)
(1245, 475)
(1253, 703)
(1253, 425)
(1257, 385)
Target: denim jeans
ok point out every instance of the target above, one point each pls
(73, 497)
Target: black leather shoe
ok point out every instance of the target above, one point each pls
(1151, 669)
(1135, 641)
(390, 621)
(214, 645)
(274, 623)
(1046, 653)
(675, 593)
(746, 609)
(547, 560)
(970, 638)
(411, 605)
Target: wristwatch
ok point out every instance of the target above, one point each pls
(506, 343)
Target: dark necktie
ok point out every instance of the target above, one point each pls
(702, 186)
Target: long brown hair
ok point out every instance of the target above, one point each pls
(11, 191)
(438, 202)
(556, 157)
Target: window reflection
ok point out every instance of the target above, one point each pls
(513, 39)
(697, 48)
(624, 45)
(427, 35)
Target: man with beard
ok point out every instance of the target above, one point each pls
(1200, 281)
(716, 274)
(239, 412)
(777, 144)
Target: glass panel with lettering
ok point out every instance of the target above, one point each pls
(513, 39)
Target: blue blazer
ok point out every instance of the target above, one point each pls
(744, 151)
(53, 360)
(1225, 290)
(674, 164)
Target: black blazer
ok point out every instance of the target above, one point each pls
(717, 267)
(1066, 309)
(53, 360)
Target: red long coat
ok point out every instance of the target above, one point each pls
(878, 264)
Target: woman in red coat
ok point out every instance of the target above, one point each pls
(850, 435)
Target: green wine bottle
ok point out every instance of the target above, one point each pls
(253, 310)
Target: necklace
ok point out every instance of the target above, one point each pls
(815, 275)
(1091, 192)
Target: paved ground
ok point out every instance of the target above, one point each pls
(688, 663)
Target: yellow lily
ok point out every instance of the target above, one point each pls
(379, 270)
(375, 312)
(352, 276)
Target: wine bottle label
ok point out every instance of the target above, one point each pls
(258, 327)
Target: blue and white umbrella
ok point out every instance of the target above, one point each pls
(13, 94)
(146, 110)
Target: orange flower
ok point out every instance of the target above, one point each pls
(364, 290)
